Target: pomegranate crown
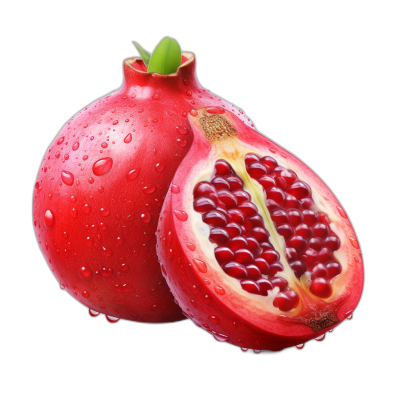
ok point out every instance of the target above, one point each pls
(166, 58)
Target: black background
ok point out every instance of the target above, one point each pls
(301, 84)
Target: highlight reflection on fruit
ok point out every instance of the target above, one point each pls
(254, 247)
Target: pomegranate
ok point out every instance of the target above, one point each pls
(255, 247)
(102, 183)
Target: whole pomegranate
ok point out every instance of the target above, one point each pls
(254, 246)
(101, 186)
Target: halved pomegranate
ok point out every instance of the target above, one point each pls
(254, 246)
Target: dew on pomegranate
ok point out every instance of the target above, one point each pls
(102, 166)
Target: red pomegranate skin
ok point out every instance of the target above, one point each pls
(214, 300)
(101, 186)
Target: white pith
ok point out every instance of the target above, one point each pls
(201, 230)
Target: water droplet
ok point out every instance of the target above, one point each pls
(106, 272)
(193, 113)
(128, 138)
(89, 241)
(59, 141)
(87, 209)
(101, 189)
(111, 319)
(115, 122)
(182, 130)
(349, 314)
(57, 155)
(104, 211)
(85, 294)
(188, 92)
(213, 319)
(74, 212)
(149, 189)
(119, 241)
(75, 146)
(341, 212)
(243, 349)
(122, 287)
(160, 167)
(300, 346)
(133, 174)
(104, 145)
(49, 219)
(93, 313)
(201, 265)
(85, 272)
(219, 290)
(85, 126)
(207, 299)
(175, 189)
(354, 242)
(62, 285)
(182, 142)
(66, 156)
(181, 215)
(146, 217)
(73, 199)
(67, 178)
(215, 110)
(156, 96)
(102, 166)
(91, 180)
(107, 252)
(220, 337)
(257, 351)
(330, 330)
(191, 246)
(320, 338)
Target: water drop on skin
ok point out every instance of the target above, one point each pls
(128, 138)
(75, 146)
(149, 189)
(93, 313)
(181, 215)
(145, 217)
(112, 319)
(132, 175)
(67, 178)
(300, 346)
(175, 189)
(320, 338)
(49, 219)
(102, 166)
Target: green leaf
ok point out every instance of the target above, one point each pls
(166, 57)
(145, 54)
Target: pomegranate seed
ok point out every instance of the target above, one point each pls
(237, 216)
(276, 194)
(256, 170)
(332, 242)
(262, 265)
(304, 231)
(295, 217)
(237, 243)
(235, 182)
(253, 245)
(325, 255)
(298, 242)
(269, 163)
(299, 190)
(270, 256)
(227, 198)
(203, 204)
(274, 269)
(319, 271)
(241, 196)
(291, 254)
(244, 256)
(289, 176)
(306, 204)
(264, 285)
(266, 246)
(293, 296)
(298, 267)
(205, 189)
(286, 231)
(321, 287)
(310, 257)
(291, 201)
(253, 272)
(247, 227)
(250, 158)
(219, 236)
(256, 221)
(261, 234)
(250, 286)
(320, 231)
(280, 217)
(223, 255)
(281, 283)
(310, 217)
(235, 270)
(267, 182)
(248, 208)
(220, 183)
(215, 219)
(315, 243)
(334, 269)
(222, 168)
(281, 183)
(283, 302)
(233, 229)
(323, 218)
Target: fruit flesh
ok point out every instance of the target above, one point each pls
(263, 323)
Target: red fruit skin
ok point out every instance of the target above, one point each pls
(107, 223)
(186, 266)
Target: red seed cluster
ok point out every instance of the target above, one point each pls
(310, 241)
(243, 248)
